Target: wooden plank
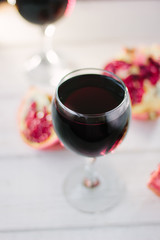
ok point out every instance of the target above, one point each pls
(109, 232)
(31, 195)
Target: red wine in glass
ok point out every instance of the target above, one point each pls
(91, 114)
(41, 11)
(91, 95)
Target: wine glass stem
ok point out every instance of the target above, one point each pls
(47, 34)
(91, 178)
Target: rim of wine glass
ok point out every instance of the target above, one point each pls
(110, 112)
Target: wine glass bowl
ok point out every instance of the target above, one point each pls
(96, 119)
(42, 12)
(91, 114)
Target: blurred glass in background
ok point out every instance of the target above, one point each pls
(46, 66)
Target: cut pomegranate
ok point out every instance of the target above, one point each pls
(140, 71)
(154, 182)
(134, 84)
(116, 65)
(34, 118)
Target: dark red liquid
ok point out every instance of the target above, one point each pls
(91, 94)
(41, 11)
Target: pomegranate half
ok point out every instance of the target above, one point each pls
(139, 68)
(34, 120)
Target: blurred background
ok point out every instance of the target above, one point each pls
(91, 21)
(96, 28)
(98, 24)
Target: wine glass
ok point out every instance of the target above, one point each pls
(91, 114)
(46, 66)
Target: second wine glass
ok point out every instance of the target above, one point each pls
(46, 66)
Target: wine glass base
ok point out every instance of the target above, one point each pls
(96, 199)
(46, 69)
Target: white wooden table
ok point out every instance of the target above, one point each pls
(32, 205)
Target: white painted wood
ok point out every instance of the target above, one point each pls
(31, 191)
(112, 233)
(32, 204)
